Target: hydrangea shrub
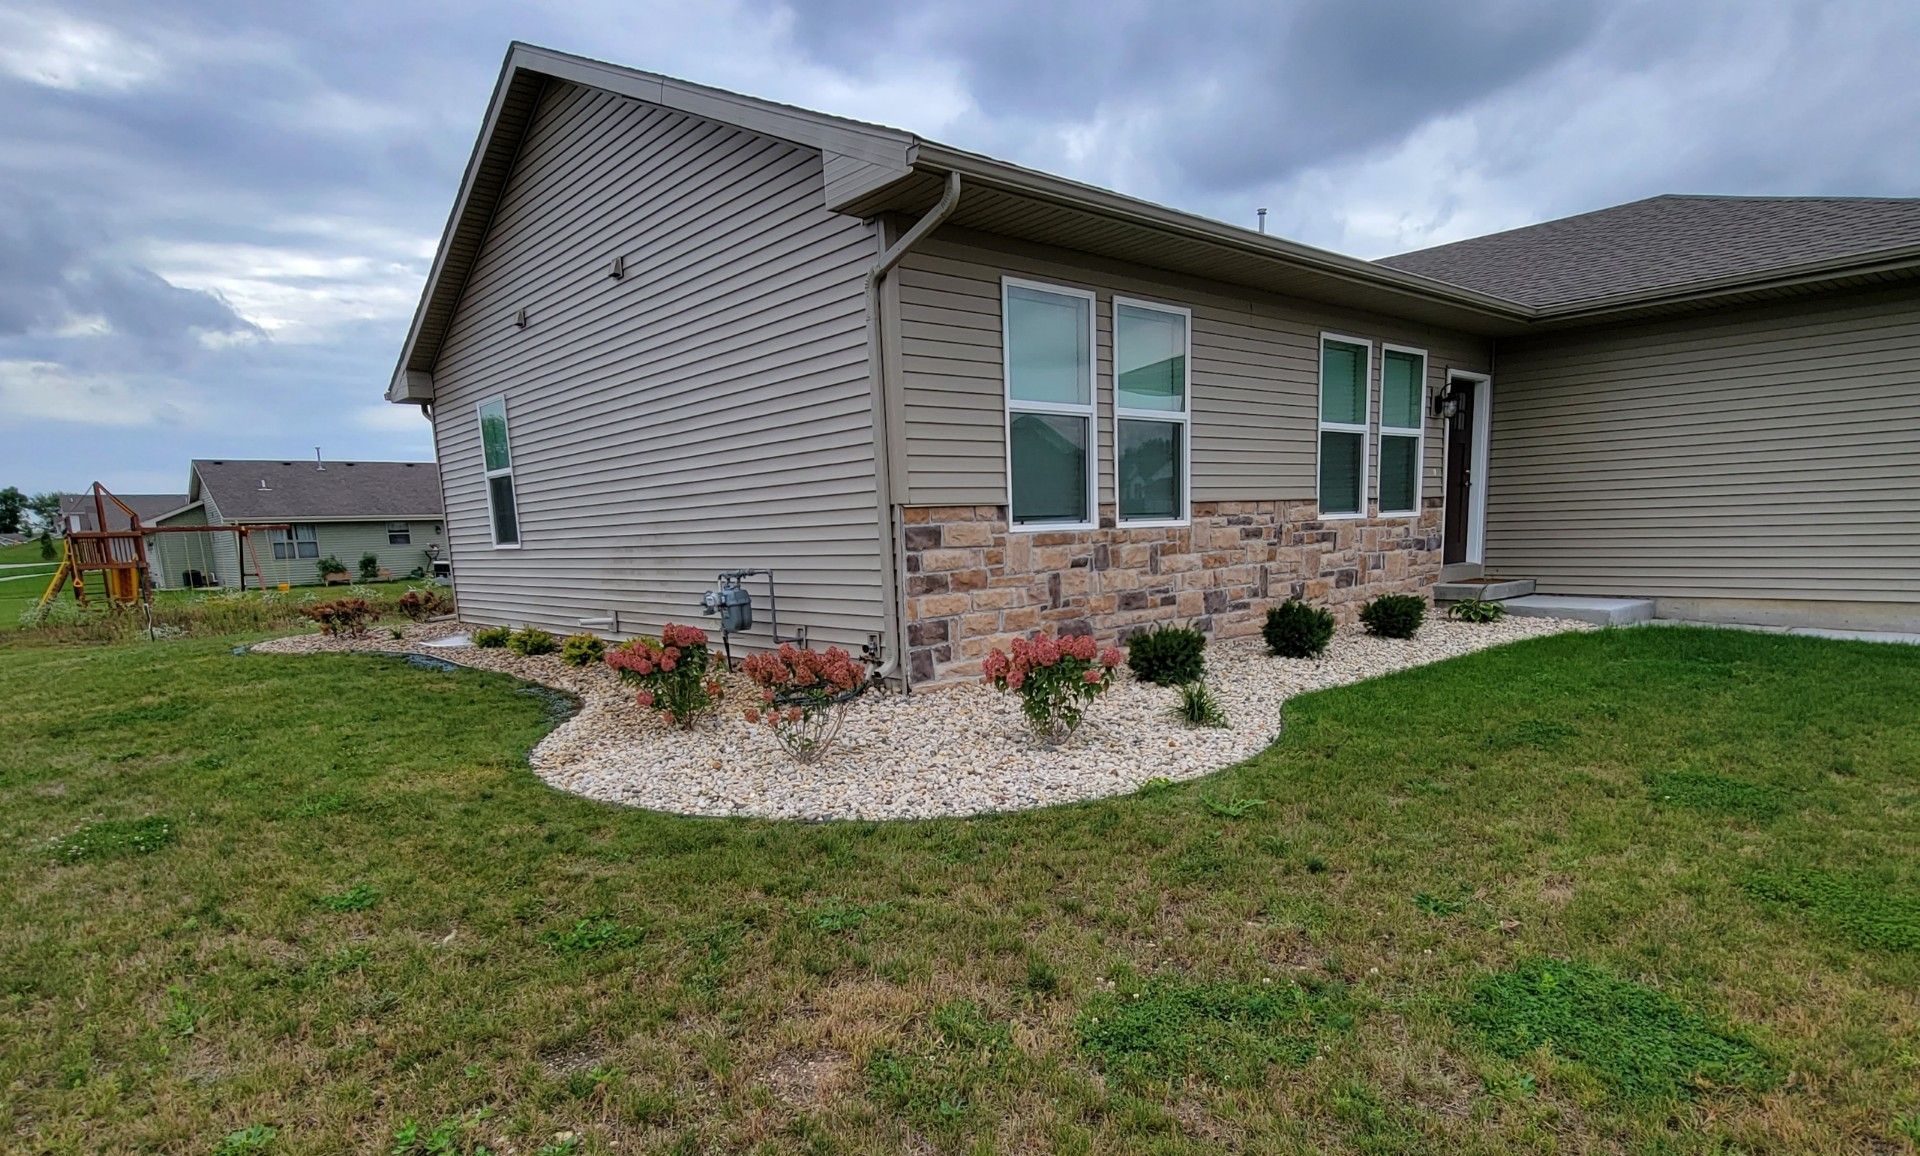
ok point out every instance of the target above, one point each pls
(803, 696)
(674, 673)
(1057, 679)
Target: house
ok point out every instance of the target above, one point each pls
(330, 509)
(673, 331)
(77, 510)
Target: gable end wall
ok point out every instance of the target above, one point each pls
(709, 411)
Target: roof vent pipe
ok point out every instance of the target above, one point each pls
(318, 462)
(1262, 214)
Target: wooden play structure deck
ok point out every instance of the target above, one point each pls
(120, 556)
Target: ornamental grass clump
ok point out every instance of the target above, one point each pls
(803, 696)
(674, 673)
(1057, 678)
(492, 637)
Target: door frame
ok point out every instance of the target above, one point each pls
(1477, 481)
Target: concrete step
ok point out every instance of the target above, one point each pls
(1600, 611)
(1485, 589)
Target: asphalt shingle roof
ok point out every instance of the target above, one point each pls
(301, 491)
(148, 506)
(1665, 242)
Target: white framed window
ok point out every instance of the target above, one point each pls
(1403, 409)
(503, 511)
(1047, 348)
(1346, 396)
(399, 534)
(299, 542)
(1152, 409)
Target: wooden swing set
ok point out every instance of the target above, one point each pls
(120, 556)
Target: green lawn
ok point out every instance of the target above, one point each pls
(1651, 891)
(23, 578)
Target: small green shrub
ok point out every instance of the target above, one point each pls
(1167, 655)
(369, 567)
(1198, 706)
(582, 650)
(1476, 610)
(531, 640)
(1296, 630)
(1639, 1041)
(1394, 615)
(330, 565)
(492, 637)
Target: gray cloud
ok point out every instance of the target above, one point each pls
(61, 279)
(217, 214)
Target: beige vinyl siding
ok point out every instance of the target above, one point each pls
(1767, 453)
(1255, 372)
(172, 555)
(347, 541)
(708, 412)
(225, 548)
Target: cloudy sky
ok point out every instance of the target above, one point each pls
(215, 218)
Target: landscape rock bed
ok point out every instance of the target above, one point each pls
(959, 751)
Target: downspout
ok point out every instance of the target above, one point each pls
(887, 510)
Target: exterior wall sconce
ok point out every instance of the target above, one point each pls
(1446, 403)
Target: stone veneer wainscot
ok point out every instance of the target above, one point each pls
(972, 586)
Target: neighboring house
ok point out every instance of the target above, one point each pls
(672, 331)
(77, 510)
(341, 510)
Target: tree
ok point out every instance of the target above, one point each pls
(45, 509)
(13, 504)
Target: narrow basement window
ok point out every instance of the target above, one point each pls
(1403, 406)
(503, 514)
(1346, 371)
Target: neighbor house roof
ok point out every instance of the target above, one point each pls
(308, 491)
(148, 506)
(1668, 242)
(870, 169)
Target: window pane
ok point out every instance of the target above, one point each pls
(1150, 358)
(493, 435)
(1048, 355)
(1400, 389)
(1049, 468)
(1397, 480)
(1340, 471)
(1150, 469)
(308, 549)
(506, 528)
(1343, 382)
